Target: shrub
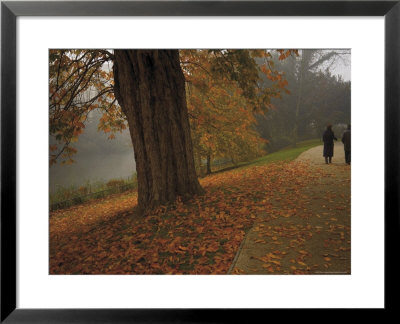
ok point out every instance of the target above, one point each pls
(67, 196)
(115, 183)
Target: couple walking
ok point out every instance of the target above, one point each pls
(328, 138)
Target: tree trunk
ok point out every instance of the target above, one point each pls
(233, 161)
(296, 120)
(299, 98)
(208, 164)
(150, 87)
(199, 167)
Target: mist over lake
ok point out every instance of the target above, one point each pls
(98, 158)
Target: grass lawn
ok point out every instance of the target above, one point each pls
(287, 154)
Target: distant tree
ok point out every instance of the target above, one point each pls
(316, 98)
(310, 61)
(332, 105)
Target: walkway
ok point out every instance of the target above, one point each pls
(309, 230)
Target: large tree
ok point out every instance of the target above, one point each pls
(144, 89)
(150, 87)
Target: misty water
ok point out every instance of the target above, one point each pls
(98, 158)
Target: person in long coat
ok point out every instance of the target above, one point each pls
(346, 139)
(328, 138)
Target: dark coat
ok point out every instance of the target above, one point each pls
(346, 139)
(328, 138)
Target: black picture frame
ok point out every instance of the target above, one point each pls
(11, 10)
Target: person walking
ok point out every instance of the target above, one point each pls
(328, 138)
(346, 139)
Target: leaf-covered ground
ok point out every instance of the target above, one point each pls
(203, 236)
(307, 231)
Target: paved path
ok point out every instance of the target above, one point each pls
(308, 229)
(314, 155)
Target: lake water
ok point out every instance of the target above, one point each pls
(98, 158)
(92, 168)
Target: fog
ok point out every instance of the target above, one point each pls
(98, 158)
(340, 66)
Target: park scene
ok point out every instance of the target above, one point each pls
(200, 161)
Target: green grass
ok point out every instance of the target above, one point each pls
(287, 154)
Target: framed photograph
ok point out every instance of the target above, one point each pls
(195, 162)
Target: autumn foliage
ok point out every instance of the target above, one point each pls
(79, 82)
(223, 92)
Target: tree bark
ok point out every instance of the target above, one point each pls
(299, 98)
(296, 120)
(208, 164)
(199, 166)
(150, 88)
(233, 161)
